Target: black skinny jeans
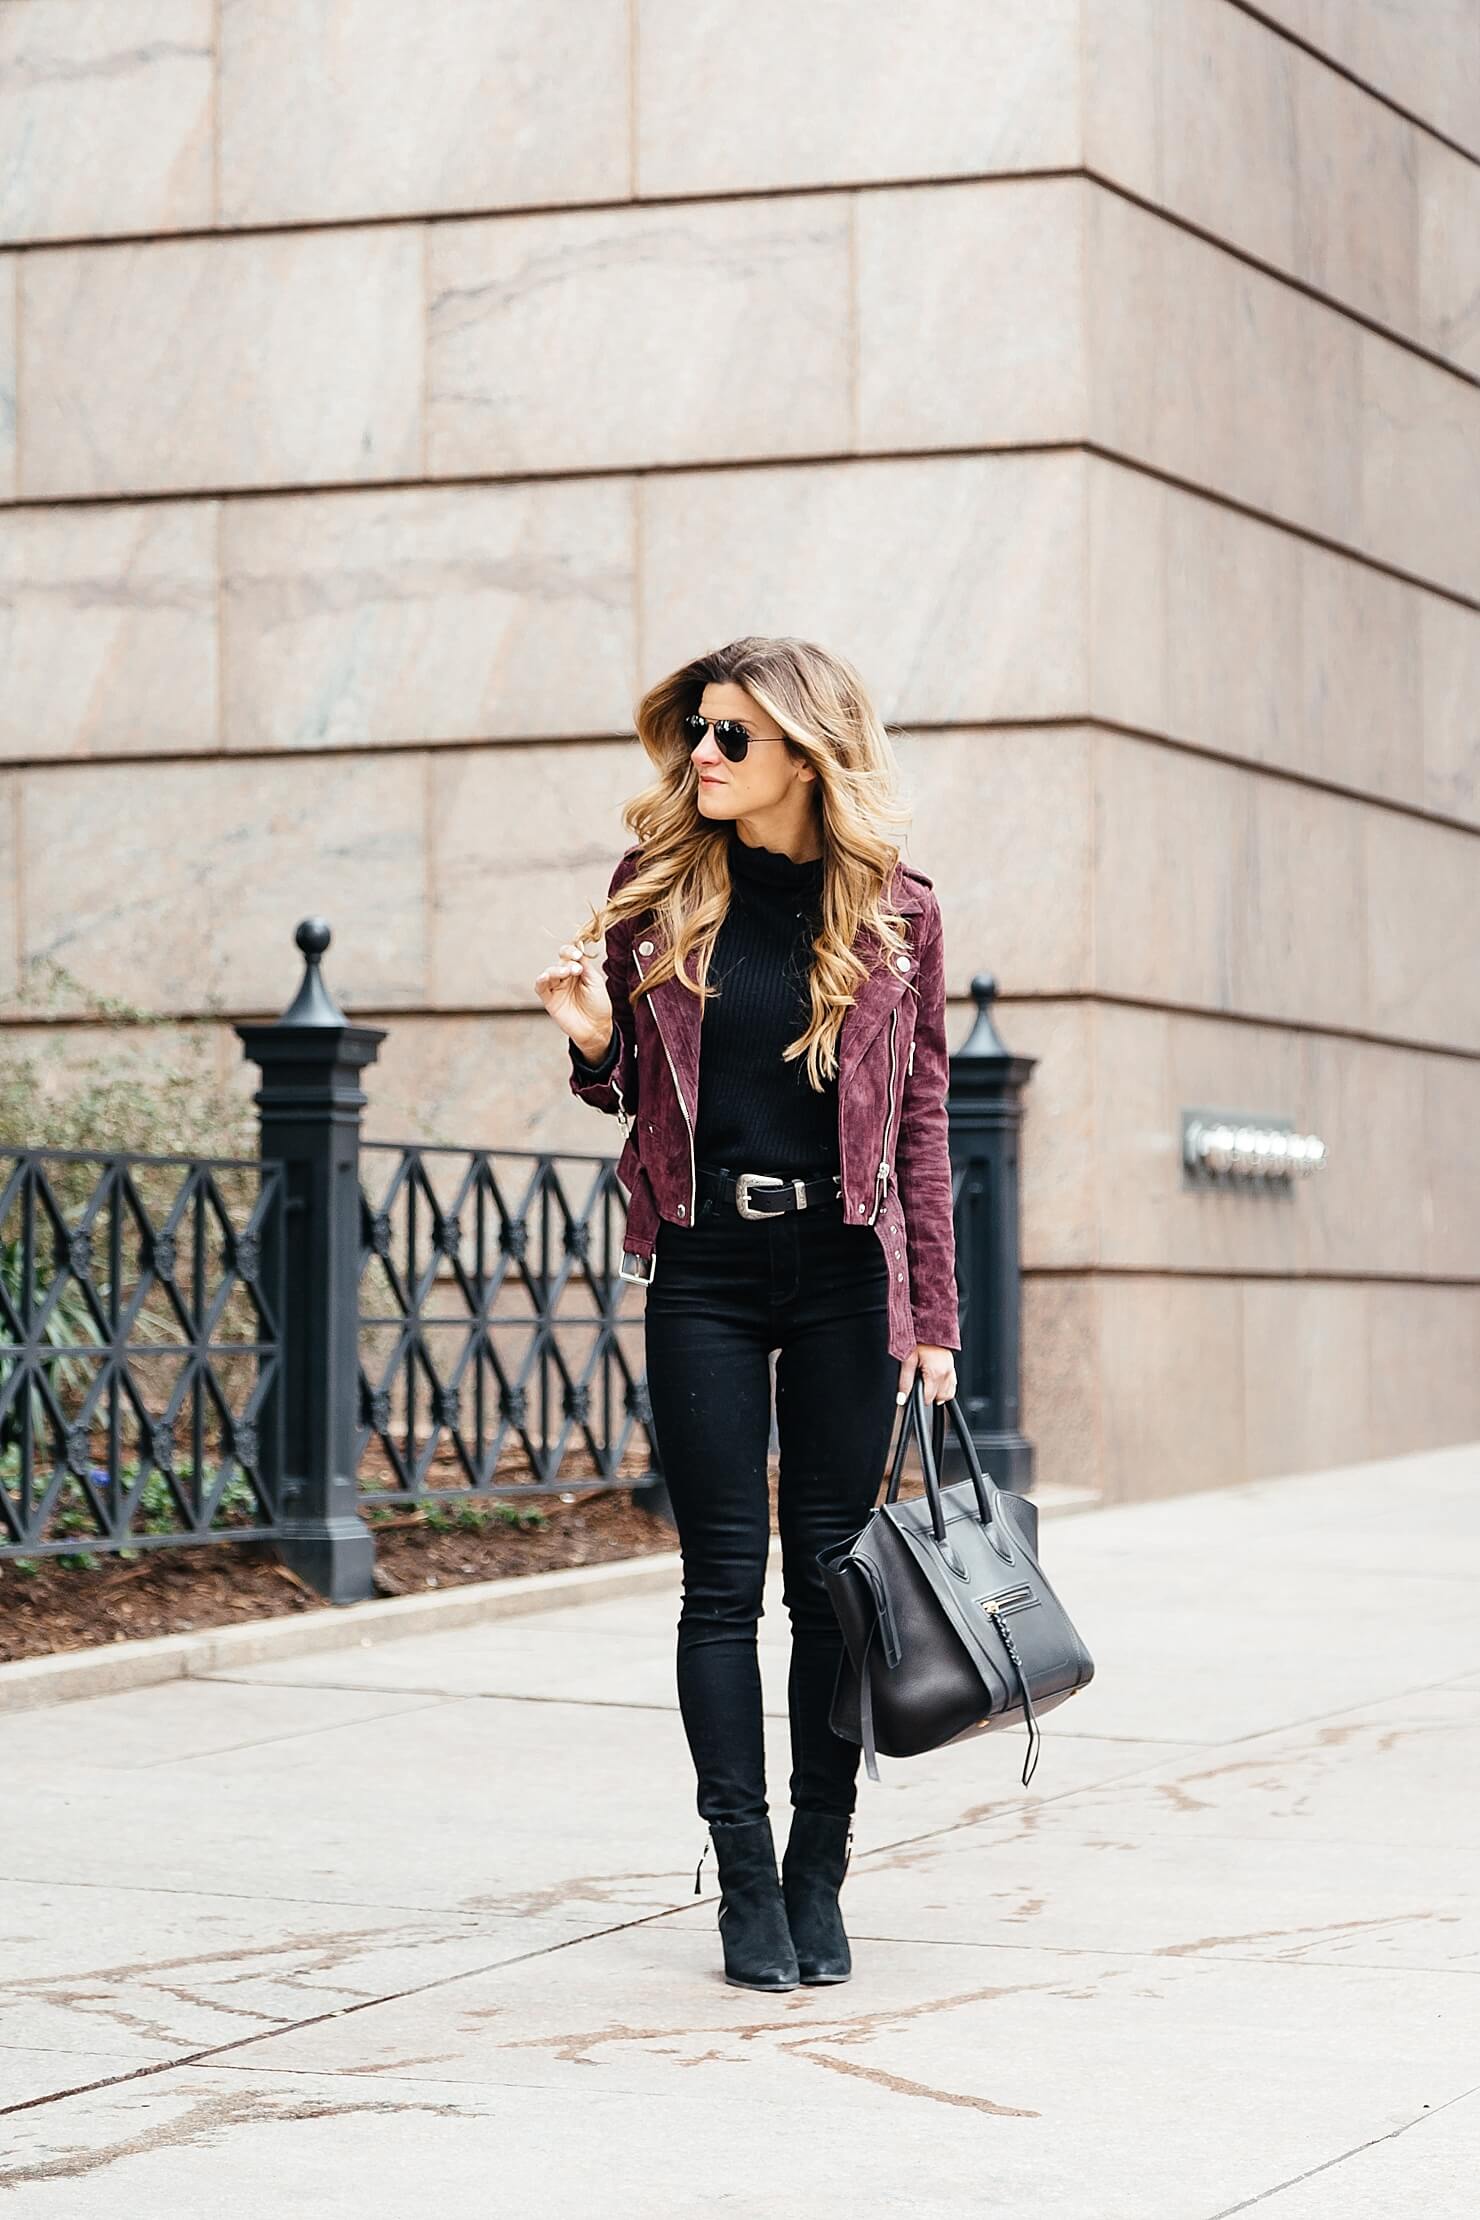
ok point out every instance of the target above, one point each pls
(726, 1292)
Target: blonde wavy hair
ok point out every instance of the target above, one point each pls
(682, 878)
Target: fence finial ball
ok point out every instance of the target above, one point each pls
(313, 937)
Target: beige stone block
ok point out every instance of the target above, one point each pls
(1171, 832)
(1172, 1400)
(639, 335)
(954, 88)
(364, 618)
(389, 107)
(1208, 368)
(108, 630)
(9, 322)
(521, 839)
(1424, 55)
(1002, 825)
(1423, 1366)
(1061, 1380)
(1448, 265)
(1369, 1209)
(1450, 1164)
(10, 887)
(285, 358)
(1449, 637)
(971, 315)
(105, 117)
(1305, 1375)
(955, 584)
(1058, 1151)
(1300, 910)
(1422, 928)
(1238, 636)
(1419, 453)
(484, 1080)
(180, 886)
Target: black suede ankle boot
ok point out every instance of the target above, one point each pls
(812, 1869)
(752, 1913)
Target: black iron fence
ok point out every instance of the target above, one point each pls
(197, 1350)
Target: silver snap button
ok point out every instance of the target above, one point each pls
(903, 962)
(682, 1208)
(644, 948)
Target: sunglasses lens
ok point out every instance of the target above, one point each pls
(733, 739)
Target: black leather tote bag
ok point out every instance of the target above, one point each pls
(950, 1626)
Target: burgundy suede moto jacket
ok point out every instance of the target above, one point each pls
(892, 1125)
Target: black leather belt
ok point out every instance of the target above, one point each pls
(764, 1194)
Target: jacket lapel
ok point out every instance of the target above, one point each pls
(677, 1014)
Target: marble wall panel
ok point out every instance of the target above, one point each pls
(454, 613)
(1002, 826)
(292, 358)
(10, 265)
(639, 335)
(108, 633)
(106, 117)
(12, 891)
(1422, 924)
(1204, 111)
(1211, 370)
(501, 907)
(1059, 1149)
(1172, 1399)
(1306, 1380)
(956, 584)
(1423, 1367)
(181, 885)
(1060, 1378)
(351, 108)
(1449, 641)
(951, 88)
(1423, 55)
(933, 368)
(1447, 264)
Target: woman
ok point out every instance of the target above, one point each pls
(796, 1200)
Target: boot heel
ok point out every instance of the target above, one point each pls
(753, 1926)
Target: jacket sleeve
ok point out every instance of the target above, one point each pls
(611, 1085)
(923, 1157)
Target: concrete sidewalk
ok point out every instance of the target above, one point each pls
(413, 1928)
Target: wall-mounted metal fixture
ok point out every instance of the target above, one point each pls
(1229, 1148)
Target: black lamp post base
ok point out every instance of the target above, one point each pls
(336, 1556)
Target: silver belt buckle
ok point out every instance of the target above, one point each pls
(744, 1181)
(639, 1279)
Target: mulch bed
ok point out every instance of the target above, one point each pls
(178, 1591)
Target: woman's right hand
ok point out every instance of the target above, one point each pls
(573, 990)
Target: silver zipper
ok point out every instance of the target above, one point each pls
(667, 1051)
(881, 1176)
(909, 1062)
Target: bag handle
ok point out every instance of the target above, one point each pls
(932, 1450)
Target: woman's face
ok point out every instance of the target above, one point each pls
(769, 771)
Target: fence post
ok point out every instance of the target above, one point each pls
(309, 1102)
(984, 1108)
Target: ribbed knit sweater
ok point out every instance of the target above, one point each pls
(756, 1113)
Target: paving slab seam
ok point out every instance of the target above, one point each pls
(1430, 2112)
(340, 2012)
(445, 1695)
(431, 1700)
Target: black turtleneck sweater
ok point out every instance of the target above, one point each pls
(756, 1113)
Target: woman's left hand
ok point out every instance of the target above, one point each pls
(936, 1366)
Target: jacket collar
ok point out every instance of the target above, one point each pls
(678, 1014)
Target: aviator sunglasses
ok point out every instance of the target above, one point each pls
(732, 739)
